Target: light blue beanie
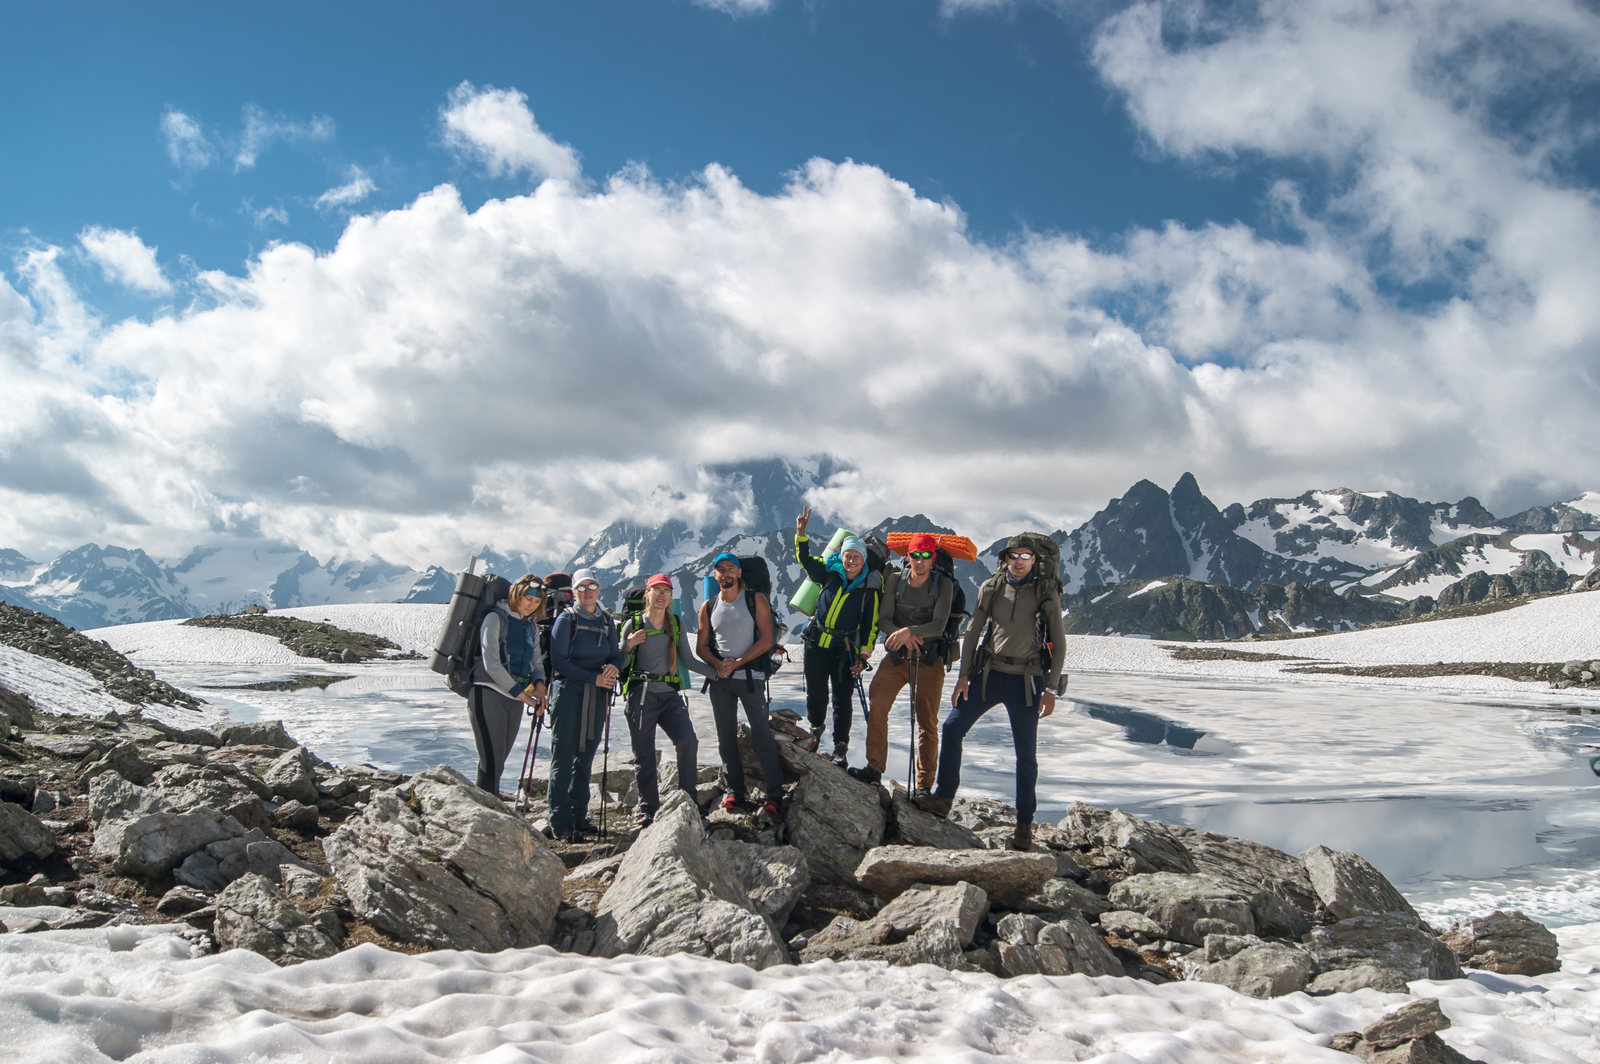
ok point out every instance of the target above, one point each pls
(853, 543)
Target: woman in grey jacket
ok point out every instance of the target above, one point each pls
(508, 675)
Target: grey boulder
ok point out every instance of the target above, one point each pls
(125, 760)
(1258, 969)
(773, 877)
(1187, 907)
(253, 914)
(1392, 941)
(917, 828)
(1028, 945)
(833, 819)
(1062, 895)
(937, 943)
(1122, 845)
(22, 835)
(188, 787)
(1004, 875)
(674, 892)
(154, 844)
(256, 733)
(1504, 942)
(439, 862)
(292, 777)
(1349, 886)
(1250, 866)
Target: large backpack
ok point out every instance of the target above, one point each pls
(458, 648)
(1047, 571)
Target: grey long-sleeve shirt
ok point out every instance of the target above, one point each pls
(1013, 608)
(918, 610)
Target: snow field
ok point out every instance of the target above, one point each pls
(138, 994)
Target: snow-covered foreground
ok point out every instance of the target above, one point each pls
(137, 995)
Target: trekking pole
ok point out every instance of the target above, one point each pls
(911, 770)
(605, 765)
(525, 782)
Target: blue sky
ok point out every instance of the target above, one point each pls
(1001, 114)
(268, 267)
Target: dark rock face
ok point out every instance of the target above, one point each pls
(1347, 885)
(253, 914)
(1505, 942)
(41, 634)
(1392, 941)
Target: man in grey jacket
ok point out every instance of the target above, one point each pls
(1003, 655)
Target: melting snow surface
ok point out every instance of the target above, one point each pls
(138, 994)
(1151, 586)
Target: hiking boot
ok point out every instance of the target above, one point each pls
(931, 803)
(1022, 838)
(732, 802)
(841, 753)
(816, 737)
(772, 810)
(644, 820)
(589, 827)
(868, 774)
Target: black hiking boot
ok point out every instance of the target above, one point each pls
(931, 803)
(866, 774)
(771, 811)
(841, 753)
(1022, 838)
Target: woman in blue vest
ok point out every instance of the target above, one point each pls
(656, 645)
(508, 675)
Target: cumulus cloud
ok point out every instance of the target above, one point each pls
(521, 373)
(496, 128)
(187, 145)
(124, 259)
(353, 191)
(261, 130)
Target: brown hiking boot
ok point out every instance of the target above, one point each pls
(1022, 838)
(931, 803)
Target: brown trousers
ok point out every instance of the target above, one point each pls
(887, 683)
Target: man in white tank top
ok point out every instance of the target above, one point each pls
(731, 637)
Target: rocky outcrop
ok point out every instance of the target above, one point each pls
(916, 828)
(1505, 942)
(676, 893)
(439, 862)
(1408, 1035)
(1003, 875)
(1250, 866)
(253, 914)
(1029, 945)
(1118, 845)
(832, 819)
(937, 943)
(235, 792)
(292, 777)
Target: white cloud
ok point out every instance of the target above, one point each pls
(261, 130)
(187, 146)
(270, 213)
(124, 259)
(357, 188)
(495, 127)
(739, 8)
(521, 373)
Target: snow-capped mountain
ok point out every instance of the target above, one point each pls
(1430, 572)
(1575, 515)
(438, 582)
(14, 568)
(1367, 530)
(91, 587)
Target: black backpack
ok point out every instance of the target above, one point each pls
(496, 589)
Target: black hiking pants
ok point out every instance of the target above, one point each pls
(496, 720)
(648, 710)
(830, 667)
(726, 698)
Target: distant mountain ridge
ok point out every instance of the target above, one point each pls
(1345, 540)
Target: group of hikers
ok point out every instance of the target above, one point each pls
(532, 642)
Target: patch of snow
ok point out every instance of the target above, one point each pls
(1151, 586)
(54, 686)
(1099, 598)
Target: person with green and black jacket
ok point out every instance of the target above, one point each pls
(1003, 662)
(841, 633)
(656, 644)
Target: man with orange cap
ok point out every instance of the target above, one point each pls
(912, 616)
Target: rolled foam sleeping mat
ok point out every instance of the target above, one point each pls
(469, 589)
(804, 598)
(959, 547)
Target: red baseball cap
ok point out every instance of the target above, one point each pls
(659, 580)
(922, 541)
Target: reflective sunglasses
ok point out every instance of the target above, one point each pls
(586, 586)
(920, 555)
(1023, 555)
